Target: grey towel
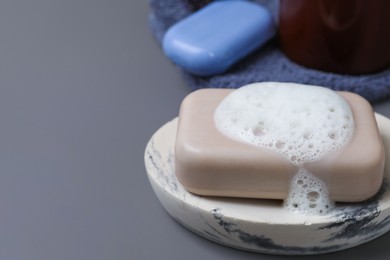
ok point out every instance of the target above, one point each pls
(268, 63)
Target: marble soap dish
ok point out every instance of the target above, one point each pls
(263, 225)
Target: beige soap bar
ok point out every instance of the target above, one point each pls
(209, 163)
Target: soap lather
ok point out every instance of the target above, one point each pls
(211, 40)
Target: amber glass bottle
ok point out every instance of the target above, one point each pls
(341, 36)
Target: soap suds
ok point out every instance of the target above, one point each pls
(303, 123)
(308, 194)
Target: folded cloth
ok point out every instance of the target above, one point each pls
(268, 63)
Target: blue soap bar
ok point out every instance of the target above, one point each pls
(212, 39)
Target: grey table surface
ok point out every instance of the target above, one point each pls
(83, 86)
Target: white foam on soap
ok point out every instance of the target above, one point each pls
(308, 194)
(303, 123)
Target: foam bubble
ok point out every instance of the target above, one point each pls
(288, 118)
(303, 123)
(308, 194)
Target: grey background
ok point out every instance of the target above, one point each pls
(83, 86)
